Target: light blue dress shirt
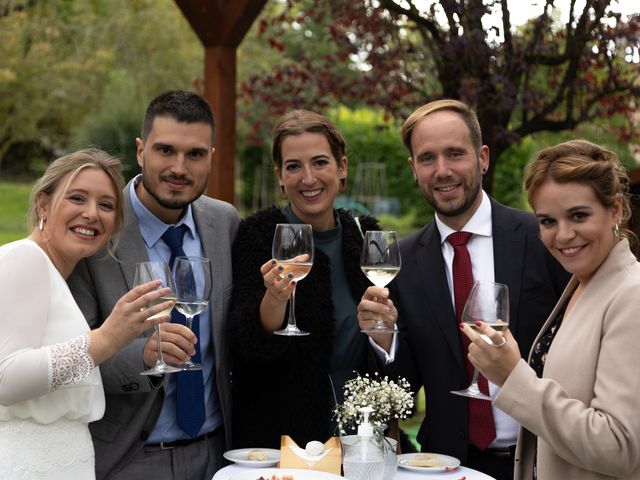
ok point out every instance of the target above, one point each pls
(152, 229)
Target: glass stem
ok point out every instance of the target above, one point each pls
(474, 381)
(291, 323)
(160, 360)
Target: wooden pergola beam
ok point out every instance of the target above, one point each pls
(221, 25)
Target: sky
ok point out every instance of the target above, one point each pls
(522, 10)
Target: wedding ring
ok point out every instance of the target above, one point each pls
(500, 345)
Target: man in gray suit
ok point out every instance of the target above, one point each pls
(141, 434)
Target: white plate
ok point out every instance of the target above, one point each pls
(449, 463)
(297, 474)
(240, 455)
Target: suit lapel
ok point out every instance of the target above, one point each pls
(131, 248)
(207, 234)
(434, 278)
(509, 244)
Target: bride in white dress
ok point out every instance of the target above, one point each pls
(50, 386)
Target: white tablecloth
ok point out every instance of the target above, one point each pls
(227, 472)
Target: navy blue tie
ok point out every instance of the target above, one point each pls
(190, 409)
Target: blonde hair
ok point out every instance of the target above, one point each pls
(68, 167)
(583, 162)
(468, 115)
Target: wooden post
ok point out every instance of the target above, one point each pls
(220, 91)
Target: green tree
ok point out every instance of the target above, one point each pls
(545, 76)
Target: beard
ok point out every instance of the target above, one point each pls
(177, 203)
(472, 187)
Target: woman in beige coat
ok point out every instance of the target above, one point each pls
(578, 397)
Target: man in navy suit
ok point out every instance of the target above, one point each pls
(448, 160)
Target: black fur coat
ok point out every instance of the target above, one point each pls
(281, 384)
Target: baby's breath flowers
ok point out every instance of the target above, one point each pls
(389, 399)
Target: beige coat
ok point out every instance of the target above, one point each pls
(585, 411)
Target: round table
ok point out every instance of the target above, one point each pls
(227, 472)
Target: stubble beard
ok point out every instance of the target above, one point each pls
(169, 203)
(471, 192)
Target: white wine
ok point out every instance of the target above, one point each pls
(299, 270)
(380, 276)
(191, 309)
(498, 326)
(164, 312)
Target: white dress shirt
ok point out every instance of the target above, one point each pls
(480, 247)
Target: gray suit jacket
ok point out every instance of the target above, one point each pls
(133, 402)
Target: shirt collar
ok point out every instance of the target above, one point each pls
(479, 223)
(151, 227)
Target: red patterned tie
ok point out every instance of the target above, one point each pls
(482, 429)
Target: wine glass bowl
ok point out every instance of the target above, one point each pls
(380, 262)
(145, 272)
(293, 250)
(192, 277)
(488, 302)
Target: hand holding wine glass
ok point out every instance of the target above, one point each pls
(145, 272)
(488, 302)
(293, 250)
(380, 262)
(192, 276)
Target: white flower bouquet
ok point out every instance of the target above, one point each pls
(390, 400)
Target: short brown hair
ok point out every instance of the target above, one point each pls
(583, 162)
(468, 115)
(298, 122)
(68, 167)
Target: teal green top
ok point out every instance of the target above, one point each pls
(350, 345)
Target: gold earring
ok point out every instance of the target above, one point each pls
(616, 230)
(41, 224)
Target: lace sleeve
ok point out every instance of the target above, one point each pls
(70, 361)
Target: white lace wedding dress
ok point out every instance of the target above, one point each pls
(49, 387)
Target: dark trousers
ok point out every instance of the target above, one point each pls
(497, 463)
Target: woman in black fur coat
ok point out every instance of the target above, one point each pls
(289, 385)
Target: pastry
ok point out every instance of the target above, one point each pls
(257, 455)
(426, 460)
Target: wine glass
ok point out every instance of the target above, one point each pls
(146, 272)
(293, 250)
(489, 303)
(380, 262)
(193, 289)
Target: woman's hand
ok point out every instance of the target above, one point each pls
(375, 305)
(495, 360)
(279, 286)
(129, 319)
(278, 283)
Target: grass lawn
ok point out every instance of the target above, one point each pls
(14, 201)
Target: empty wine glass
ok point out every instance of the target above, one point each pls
(488, 302)
(380, 262)
(145, 272)
(193, 289)
(293, 250)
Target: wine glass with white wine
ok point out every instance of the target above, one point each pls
(488, 302)
(380, 262)
(293, 250)
(145, 272)
(193, 289)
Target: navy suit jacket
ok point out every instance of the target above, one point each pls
(430, 352)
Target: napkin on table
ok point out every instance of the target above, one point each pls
(292, 456)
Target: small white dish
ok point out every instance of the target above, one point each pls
(240, 456)
(448, 463)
